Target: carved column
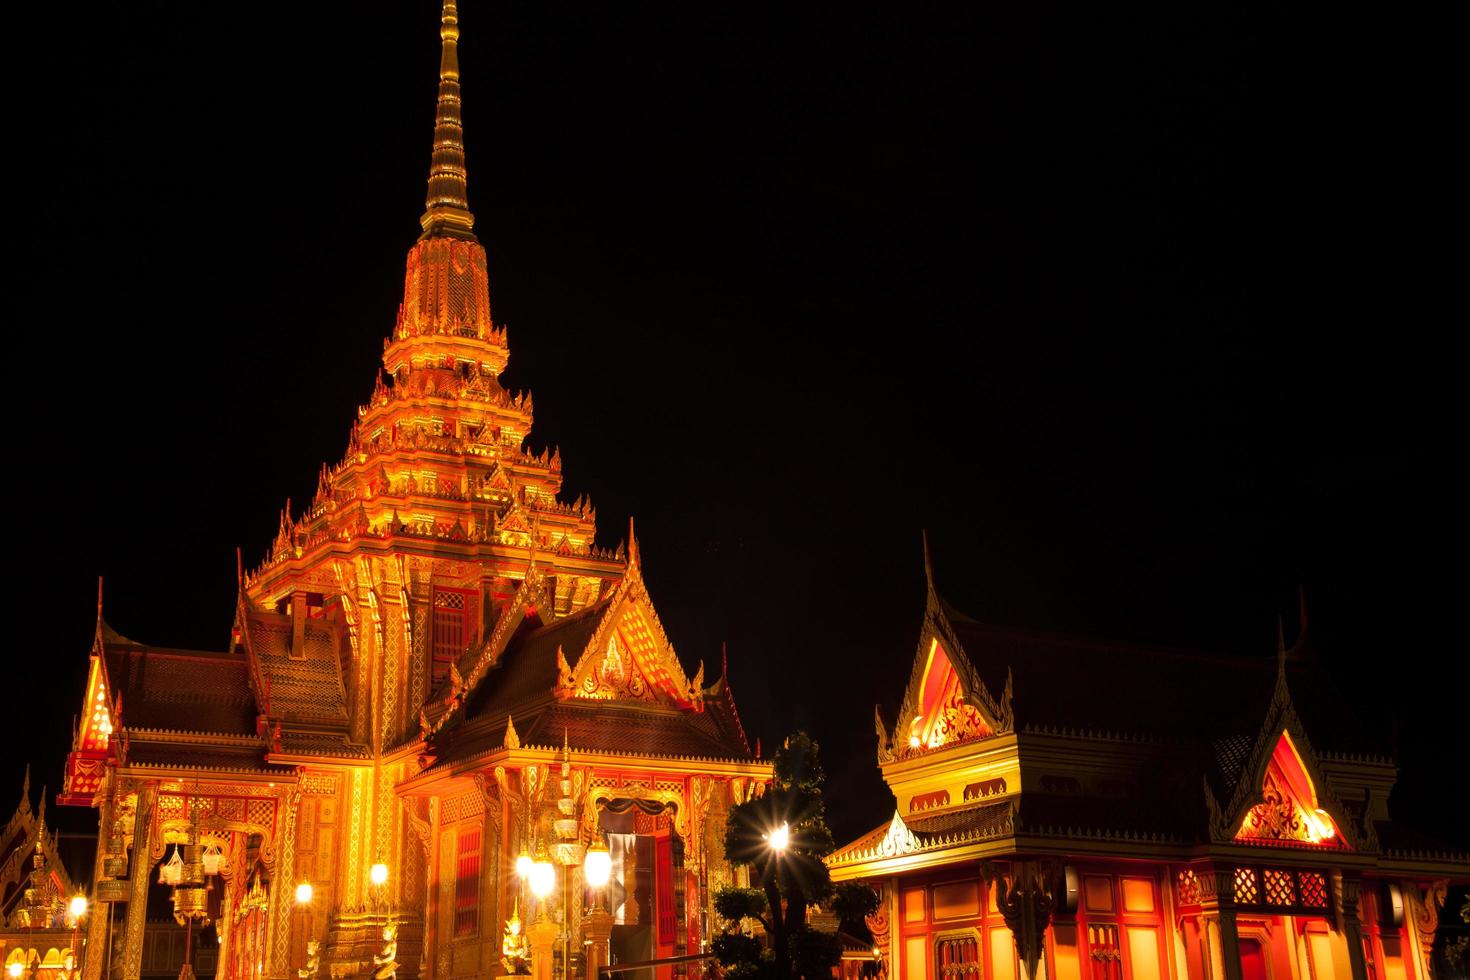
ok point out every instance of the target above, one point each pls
(1352, 927)
(101, 912)
(1217, 896)
(597, 927)
(1025, 898)
(138, 871)
(542, 936)
(283, 887)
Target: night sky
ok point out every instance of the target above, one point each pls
(1130, 311)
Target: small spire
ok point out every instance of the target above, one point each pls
(928, 562)
(447, 207)
(632, 545)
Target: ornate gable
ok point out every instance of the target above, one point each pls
(95, 725)
(1281, 796)
(629, 657)
(946, 702)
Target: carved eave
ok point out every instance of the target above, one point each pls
(651, 653)
(937, 627)
(1226, 818)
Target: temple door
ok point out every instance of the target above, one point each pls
(1252, 960)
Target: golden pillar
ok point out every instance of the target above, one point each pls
(542, 936)
(597, 925)
(138, 871)
(1352, 928)
(101, 912)
(1219, 909)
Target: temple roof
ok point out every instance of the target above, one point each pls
(307, 688)
(605, 677)
(181, 690)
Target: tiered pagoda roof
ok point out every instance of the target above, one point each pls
(1068, 740)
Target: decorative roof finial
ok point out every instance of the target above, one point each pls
(447, 208)
(632, 545)
(928, 562)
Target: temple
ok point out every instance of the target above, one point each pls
(1077, 810)
(435, 680)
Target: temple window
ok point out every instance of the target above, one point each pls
(451, 633)
(467, 882)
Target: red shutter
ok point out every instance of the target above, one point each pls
(664, 879)
(467, 883)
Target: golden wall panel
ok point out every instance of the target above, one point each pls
(1143, 952)
(957, 900)
(1138, 895)
(1098, 892)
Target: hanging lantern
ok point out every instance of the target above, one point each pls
(172, 870)
(214, 857)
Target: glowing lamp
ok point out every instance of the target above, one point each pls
(523, 866)
(597, 868)
(543, 878)
(379, 874)
(780, 838)
(78, 906)
(303, 892)
(914, 742)
(16, 969)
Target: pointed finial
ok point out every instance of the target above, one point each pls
(512, 740)
(239, 570)
(632, 545)
(757, 746)
(928, 561)
(447, 208)
(724, 661)
(25, 789)
(99, 598)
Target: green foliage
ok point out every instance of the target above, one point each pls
(734, 904)
(794, 878)
(1457, 951)
(853, 902)
(813, 953)
(734, 948)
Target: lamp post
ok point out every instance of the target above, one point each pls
(378, 875)
(303, 905)
(542, 932)
(598, 921)
(76, 909)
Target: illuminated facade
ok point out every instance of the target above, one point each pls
(36, 930)
(434, 671)
(1078, 811)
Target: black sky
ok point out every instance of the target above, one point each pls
(1133, 311)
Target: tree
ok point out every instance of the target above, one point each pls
(782, 836)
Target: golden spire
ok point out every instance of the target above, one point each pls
(447, 208)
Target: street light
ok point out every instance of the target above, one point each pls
(75, 910)
(597, 868)
(543, 880)
(780, 838)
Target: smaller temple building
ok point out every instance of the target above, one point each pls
(38, 927)
(1078, 810)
